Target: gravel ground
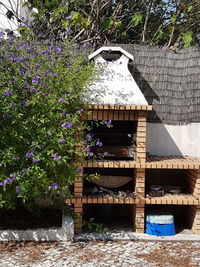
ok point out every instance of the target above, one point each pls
(100, 253)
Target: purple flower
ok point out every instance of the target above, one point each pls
(56, 156)
(7, 180)
(25, 170)
(5, 116)
(13, 177)
(62, 140)
(15, 59)
(99, 144)
(1, 34)
(1, 184)
(80, 170)
(108, 122)
(46, 53)
(65, 114)
(19, 189)
(69, 17)
(91, 154)
(32, 143)
(47, 73)
(33, 90)
(80, 111)
(66, 125)
(54, 185)
(36, 79)
(0, 164)
(35, 160)
(87, 149)
(62, 99)
(28, 155)
(12, 105)
(8, 93)
(56, 49)
(23, 71)
(34, 55)
(68, 30)
(89, 136)
(26, 86)
(37, 67)
(15, 157)
(42, 84)
(23, 103)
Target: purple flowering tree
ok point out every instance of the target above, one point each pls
(41, 91)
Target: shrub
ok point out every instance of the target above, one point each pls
(41, 90)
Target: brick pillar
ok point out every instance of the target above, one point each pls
(194, 182)
(195, 219)
(78, 210)
(139, 218)
(141, 137)
(140, 182)
(78, 184)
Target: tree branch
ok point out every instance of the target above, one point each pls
(146, 21)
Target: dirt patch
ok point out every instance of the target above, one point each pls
(26, 252)
(171, 255)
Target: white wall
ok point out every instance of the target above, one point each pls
(16, 6)
(166, 140)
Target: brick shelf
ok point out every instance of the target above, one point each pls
(173, 200)
(112, 164)
(153, 162)
(189, 165)
(172, 162)
(120, 107)
(102, 200)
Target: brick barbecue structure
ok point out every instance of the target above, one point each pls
(177, 175)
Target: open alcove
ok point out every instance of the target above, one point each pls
(118, 140)
(184, 215)
(111, 217)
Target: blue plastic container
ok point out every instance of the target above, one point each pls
(160, 225)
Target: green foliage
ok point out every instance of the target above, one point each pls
(187, 38)
(137, 18)
(153, 22)
(41, 92)
(91, 225)
(173, 18)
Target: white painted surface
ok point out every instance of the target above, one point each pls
(17, 7)
(115, 84)
(65, 233)
(173, 140)
(110, 48)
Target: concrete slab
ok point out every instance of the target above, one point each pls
(64, 233)
(117, 236)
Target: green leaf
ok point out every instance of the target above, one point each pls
(187, 38)
(173, 18)
(137, 19)
(65, 23)
(190, 8)
(118, 24)
(77, 18)
(87, 23)
(107, 23)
